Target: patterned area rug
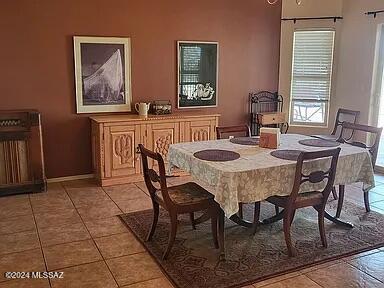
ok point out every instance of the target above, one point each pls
(193, 261)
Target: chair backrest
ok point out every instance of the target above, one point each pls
(345, 115)
(374, 131)
(315, 176)
(240, 130)
(151, 176)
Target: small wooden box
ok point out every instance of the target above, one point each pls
(269, 118)
(269, 138)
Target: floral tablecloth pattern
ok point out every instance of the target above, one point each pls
(257, 175)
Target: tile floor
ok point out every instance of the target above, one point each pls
(74, 228)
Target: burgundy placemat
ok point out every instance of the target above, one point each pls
(319, 143)
(217, 155)
(245, 141)
(286, 154)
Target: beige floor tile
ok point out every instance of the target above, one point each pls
(14, 206)
(343, 275)
(93, 275)
(118, 245)
(106, 226)
(86, 196)
(276, 279)
(26, 283)
(31, 260)
(105, 210)
(17, 224)
(320, 266)
(69, 216)
(16, 242)
(134, 268)
(52, 235)
(124, 192)
(54, 186)
(297, 282)
(153, 283)
(135, 205)
(80, 183)
(142, 187)
(14, 200)
(51, 204)
(71, 254)
(361, 254)
(372, 264)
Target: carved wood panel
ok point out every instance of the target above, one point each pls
(121, 151)
(199, 134)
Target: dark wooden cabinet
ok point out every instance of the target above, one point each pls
(21, 153)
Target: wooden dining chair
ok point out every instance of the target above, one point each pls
(225, 132)
(179, 199)
(316, 199)
(342, 115)
(373, 149)
(238, 131)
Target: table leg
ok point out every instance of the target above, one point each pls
(235, 218)
(337, 221)
(333, 219)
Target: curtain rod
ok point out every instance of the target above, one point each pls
(374, 13)
(334, 18)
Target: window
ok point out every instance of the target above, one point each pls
(311, 76)
(190, 69)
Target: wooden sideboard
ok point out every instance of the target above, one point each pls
(115, 140)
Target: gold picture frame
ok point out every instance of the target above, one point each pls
(102, 74)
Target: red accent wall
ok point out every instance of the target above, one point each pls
(37, 70)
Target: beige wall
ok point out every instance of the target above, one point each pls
(354, 86)
(308, 8)
(354, 53)
(312, 8)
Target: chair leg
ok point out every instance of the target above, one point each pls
(256, 218)
(240, 210)
(287, 234)
(221, 234)
(172, 235)
(341, 200)
(154, 221)
(366, 202)
(214, 224)
(192, 217)
(334, 193)
(277, 210)
(320, 219)
(293, 216)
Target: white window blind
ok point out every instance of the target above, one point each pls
(311, 76)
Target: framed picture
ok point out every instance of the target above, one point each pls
(197, 74)
(103, 74)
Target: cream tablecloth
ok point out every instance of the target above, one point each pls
(257, 175)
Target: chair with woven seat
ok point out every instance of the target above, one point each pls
(372, 149)
(316, 199)
(342, 115)
(186, 198)
(238, 131)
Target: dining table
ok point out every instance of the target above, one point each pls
(257, 174)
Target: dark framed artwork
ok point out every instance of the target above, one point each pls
(197, 74)
(103, 74)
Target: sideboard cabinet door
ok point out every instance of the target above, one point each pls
(200, 130)
(121, 158)
(161, 136)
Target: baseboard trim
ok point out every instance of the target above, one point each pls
(70, 178)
